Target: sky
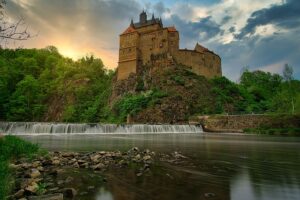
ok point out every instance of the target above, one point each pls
(257, 34)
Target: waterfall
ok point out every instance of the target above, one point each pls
(25, 128)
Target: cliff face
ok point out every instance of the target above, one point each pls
(186, 93)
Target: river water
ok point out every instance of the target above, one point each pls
(220, 166)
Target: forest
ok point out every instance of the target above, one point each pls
(43, 85)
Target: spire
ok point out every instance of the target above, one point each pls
(131, 23)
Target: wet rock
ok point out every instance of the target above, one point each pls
(55, 162)
(34, 173)
(46, 162)
(19, 194)
(137, 157)
(60, 182)
(53, 189)
(13, 166)
(95, 158)
(76, 165)
(57, 196)
(145, 158)
(69, 179)
(209, 195)
(80, 162)
(139, 174)
(69, 192)
(36, 164)
(179, 156)
(91, 187)
(40, 168)
(98, 166)
(135, 149)
(32, 188)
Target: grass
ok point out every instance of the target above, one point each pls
(12, 147)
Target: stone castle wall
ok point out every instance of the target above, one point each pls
(140, 42)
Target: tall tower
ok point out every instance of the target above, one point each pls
(143, 17)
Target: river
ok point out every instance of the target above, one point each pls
(219, 166)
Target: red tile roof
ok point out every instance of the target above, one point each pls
(130, 29)
(172, 29)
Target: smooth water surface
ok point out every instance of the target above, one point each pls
(218, 167)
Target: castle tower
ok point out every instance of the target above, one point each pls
(143, 17)
(148, 42)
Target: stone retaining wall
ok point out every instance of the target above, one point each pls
(236, 123)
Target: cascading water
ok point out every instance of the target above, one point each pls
(24, 128)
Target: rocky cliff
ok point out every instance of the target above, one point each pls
(185, 93)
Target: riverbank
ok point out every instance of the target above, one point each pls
(185, 166)
(28, 174)
(268, 124)
(12, 148)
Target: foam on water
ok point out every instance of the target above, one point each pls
(27, 128)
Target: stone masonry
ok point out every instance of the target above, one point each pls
(147, 41)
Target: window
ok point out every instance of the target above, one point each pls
(172, 34)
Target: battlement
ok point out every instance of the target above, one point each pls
(142, 40)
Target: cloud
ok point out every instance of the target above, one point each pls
(192, 32)
(267, 30)
(77, 27)
(285, 15)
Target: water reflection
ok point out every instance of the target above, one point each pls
(219, 167)
(104, 194)
(241, 186)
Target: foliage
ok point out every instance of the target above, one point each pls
(132, 104)
(32, 79)
(12, 147)
(41, 84)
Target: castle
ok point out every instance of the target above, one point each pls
(148, 42)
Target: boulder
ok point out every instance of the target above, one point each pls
(19, 194)
(69, 193)
(32, 188)
(34, 173)
(98, 166)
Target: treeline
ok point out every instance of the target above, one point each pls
(258, 92)
(41, 84)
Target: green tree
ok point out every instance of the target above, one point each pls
(288, 77)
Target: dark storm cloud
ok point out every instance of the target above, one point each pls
(201, 30)
(232, 29)
(159, 8)
(226, 19)
(286, 15)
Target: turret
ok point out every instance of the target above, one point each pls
(143, 17)
(131, 23)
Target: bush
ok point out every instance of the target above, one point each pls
(133, 103)
(12, 147)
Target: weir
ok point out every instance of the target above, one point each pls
(27, 128)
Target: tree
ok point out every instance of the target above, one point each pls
(288, 77)
(11, 31)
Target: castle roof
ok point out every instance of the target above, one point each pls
(147, 23)
(130, 29)
(172, 29)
